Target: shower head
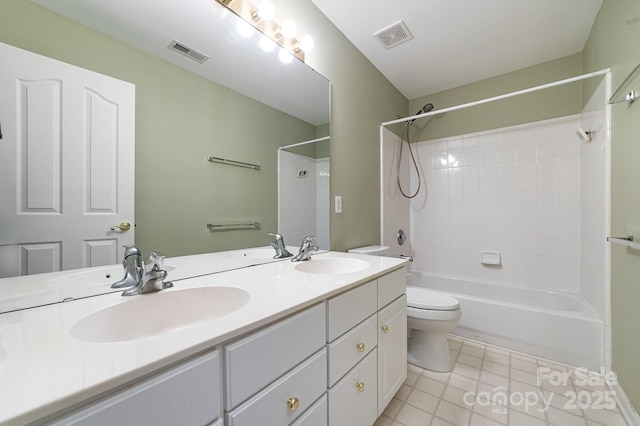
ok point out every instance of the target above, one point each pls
(426, 108)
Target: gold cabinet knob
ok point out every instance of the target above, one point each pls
(385, 328)
(293, 403)
(360, 347)
(124, 226)
(360, 386)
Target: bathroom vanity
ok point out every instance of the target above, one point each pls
(320, 342)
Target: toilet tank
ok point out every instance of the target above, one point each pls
(371, 250)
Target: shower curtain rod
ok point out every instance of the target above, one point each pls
(306, 142)
(497, 98)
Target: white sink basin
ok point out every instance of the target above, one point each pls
(150, 314)
(332, 266)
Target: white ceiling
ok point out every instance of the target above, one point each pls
(457, 42)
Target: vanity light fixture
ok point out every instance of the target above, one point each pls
(261, 17)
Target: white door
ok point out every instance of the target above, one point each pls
(66, 165)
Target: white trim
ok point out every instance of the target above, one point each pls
(497, 98)
(624, 404)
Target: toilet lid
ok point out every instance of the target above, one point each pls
(422, 298)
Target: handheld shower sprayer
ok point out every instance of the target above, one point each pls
(426, 108)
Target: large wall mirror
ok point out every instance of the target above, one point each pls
(242, 104)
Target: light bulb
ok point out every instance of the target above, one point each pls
(244, 29)
(306, 43)
(266, 44)
(266, 10)
(285, 57)
(288, 28)
(218, 10)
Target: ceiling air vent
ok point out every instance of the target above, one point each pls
(185, 50)
(393, 35)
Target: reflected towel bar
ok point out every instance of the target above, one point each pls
(625, 241)
(221, 227)
(233, 162)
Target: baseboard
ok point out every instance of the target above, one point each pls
(626, 408)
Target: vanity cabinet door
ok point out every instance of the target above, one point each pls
(317, 415)
(351, 348)
(285, 399)
(392, 350)
(260, 358)
(391, 286)
(353, 400)
(349, 309)
(188, 394)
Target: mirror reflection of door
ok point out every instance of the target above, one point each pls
(56, 117)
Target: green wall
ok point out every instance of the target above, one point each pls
(180, 119)
(541, 105)
(613, 43)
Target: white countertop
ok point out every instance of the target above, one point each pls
(43, 369)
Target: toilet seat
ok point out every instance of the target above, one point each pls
(422, 298)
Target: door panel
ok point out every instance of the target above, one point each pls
(66, 165)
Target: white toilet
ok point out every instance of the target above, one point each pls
(430, 316)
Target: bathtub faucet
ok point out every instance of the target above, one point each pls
(404, 256)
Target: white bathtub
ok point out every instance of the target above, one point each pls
(557, 326)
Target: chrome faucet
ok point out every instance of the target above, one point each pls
(153, 277)
(305, 249)
(279, 247)
(132, 263)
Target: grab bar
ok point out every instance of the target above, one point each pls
(233, 162)
(625, 241)
(219, 227)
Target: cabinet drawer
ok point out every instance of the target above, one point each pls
(186, 394)
(349, 405)
(349, 309)
(307, 382)
(344, 352)
(258, 359)
(317, 415)
(391, 286)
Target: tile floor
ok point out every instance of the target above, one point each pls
(493, 386)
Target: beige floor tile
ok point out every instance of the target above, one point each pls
(424, 401)
(605, 417)
(563, 418)
(463, 382)
(467, 371)
(529, 367)
(496, 368)
(494, 379)
(431, 386)
(473, 361)
(453, 413)
(440, 422)
(383, 421)
(516, 418)
(412, 416)
(393, 408)
(403, 392)
(472, 350)
(455, 396)
(524, 377)
(496, 357)
(478, 420)
(441, 377)
(412, 378)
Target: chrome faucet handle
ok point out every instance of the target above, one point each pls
(153, 277)
(279, 246)
(132, 264)
(306, 249)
